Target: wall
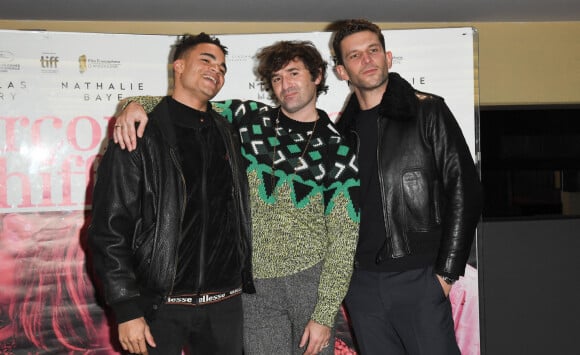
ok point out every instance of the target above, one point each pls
(529, 287)
(520, 63)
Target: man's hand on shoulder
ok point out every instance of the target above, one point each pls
(124, 132)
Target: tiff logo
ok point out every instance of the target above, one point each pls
(48, 61)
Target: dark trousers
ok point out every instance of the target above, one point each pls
(400, 313)
(211, 329)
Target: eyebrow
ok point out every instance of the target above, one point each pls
(223, 65)
(372, 45)
(287, 70)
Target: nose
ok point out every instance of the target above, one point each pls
(366, 57)
(285, 83)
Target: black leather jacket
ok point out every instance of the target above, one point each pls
(138, 206)
(430, 189)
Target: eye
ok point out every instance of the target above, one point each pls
(275, 79)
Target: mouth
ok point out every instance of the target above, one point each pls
(290, 94)
(211, 78)
(369, 71)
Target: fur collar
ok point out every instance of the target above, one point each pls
(399, 102)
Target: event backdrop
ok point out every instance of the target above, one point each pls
(58, 94)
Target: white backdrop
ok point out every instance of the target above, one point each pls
(59, 90)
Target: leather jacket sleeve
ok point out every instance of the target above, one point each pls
(115, 220)
(462, 201)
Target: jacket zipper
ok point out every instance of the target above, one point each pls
(382, 182)
(203, 221)
(184, 199)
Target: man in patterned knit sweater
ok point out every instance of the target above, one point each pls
(303, 186)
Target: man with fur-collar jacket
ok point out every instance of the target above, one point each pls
(170, 232)
(420, 202)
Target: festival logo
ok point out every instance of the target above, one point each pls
(49, 62)
(6, 62)
(6, 56)
(82, 63)
(87, 63)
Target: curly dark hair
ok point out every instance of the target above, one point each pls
(345, 28)
(275, 57)
(188, 41)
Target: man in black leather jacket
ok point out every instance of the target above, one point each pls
(420, 202)
(170, 228)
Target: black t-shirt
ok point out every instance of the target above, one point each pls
(372, 227)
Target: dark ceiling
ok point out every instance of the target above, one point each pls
(293, 10)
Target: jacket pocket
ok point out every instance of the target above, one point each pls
(420, 199)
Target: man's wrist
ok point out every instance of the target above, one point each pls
(448, 280)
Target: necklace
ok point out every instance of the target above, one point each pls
(303, 150)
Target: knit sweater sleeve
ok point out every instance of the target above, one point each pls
(147, 102)
(232, 110)
(342, 219)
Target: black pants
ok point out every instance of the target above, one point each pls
(400, 313)
(212, 329)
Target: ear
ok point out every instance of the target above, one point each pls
(341, 72)
(318, 78)
(389, 57)
(178, 66)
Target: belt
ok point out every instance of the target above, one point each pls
(201, 299)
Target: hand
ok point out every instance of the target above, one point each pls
(124, 132)
(133, 334)
(446, 287)
(316, 336)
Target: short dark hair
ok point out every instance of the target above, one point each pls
(345, 28)
(275, 57)
(188, 41)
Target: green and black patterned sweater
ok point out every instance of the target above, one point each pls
(304, 208)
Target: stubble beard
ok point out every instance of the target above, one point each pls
(370, 85)
(297, 105)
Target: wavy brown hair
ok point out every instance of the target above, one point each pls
(275, 57)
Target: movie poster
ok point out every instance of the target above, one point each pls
(58, 96)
